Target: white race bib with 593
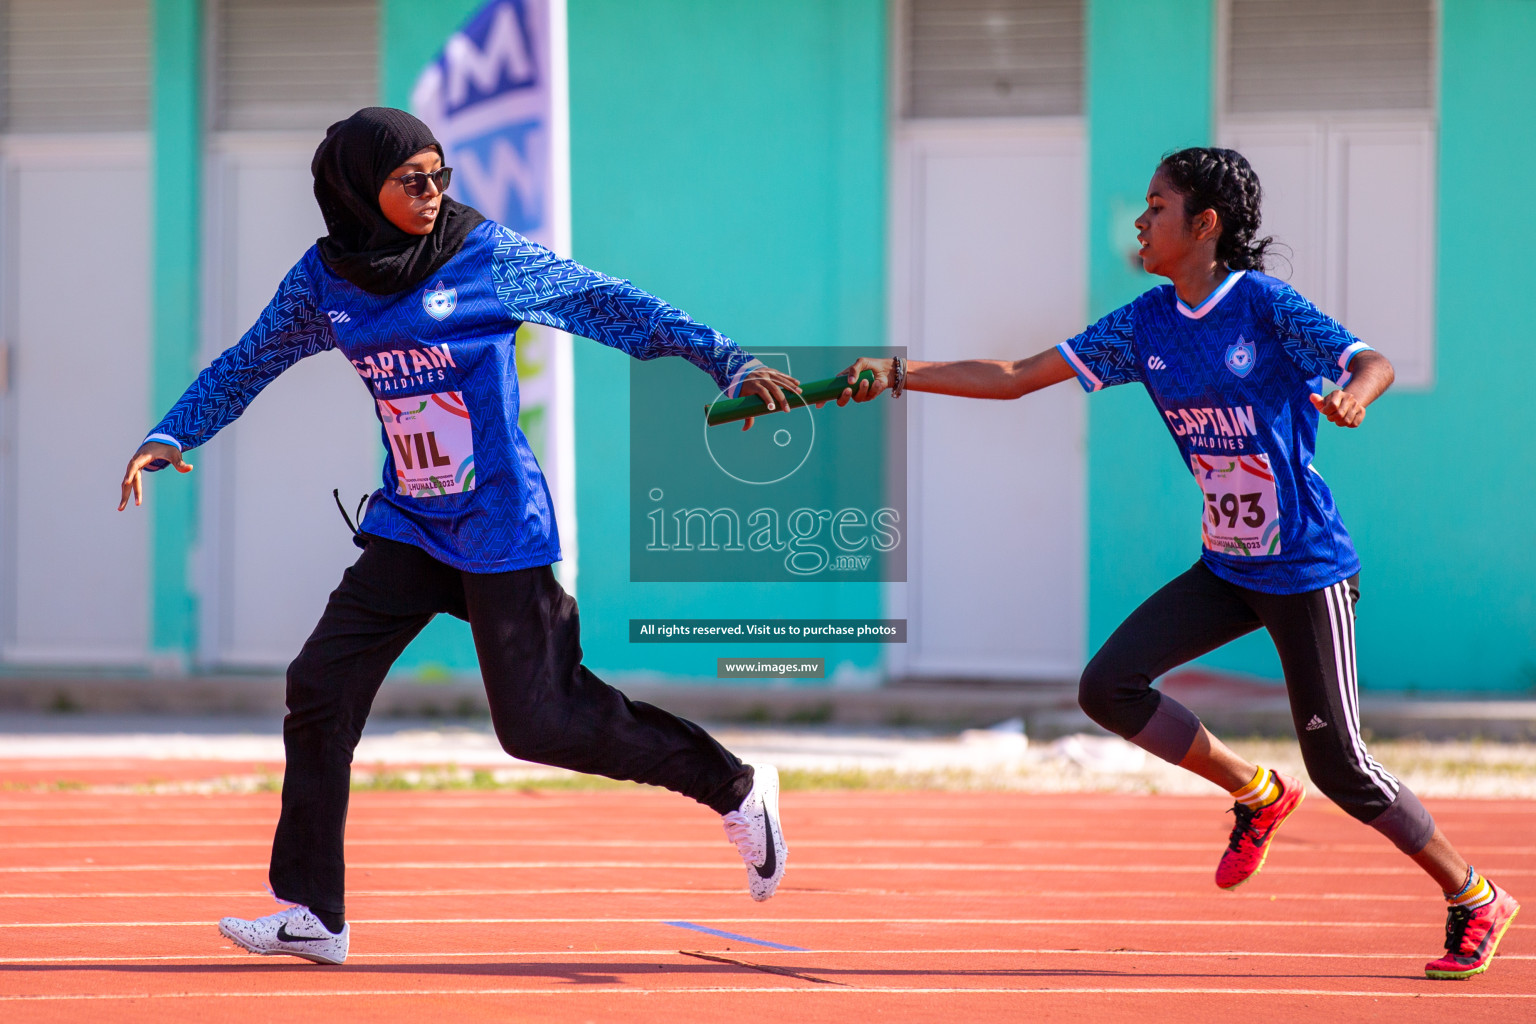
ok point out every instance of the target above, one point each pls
(1242, 513)
(431, 438)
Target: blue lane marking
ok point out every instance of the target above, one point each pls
(733, 935)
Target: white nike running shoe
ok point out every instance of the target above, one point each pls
(294, 931)
(754, 828)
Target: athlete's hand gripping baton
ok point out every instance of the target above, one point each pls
(729, 410)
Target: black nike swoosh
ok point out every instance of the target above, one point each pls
(770, 859)
(283, 936)
(1490, 935)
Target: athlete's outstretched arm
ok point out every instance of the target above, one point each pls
(539, 287)
(1370, 373)
(290, 328)
(965, 378)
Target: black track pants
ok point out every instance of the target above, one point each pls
(545, 706)
(1314, 634)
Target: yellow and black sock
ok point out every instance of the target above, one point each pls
(1262, 790)
(1476, 892)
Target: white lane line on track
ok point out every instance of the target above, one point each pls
(714, 990)
(570, 953)
(1203, 922)
(732, 891)
(1014, 867)
(515, 819)
(735, 891)
(263, 840)
(510, 823)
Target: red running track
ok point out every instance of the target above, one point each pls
(921, 906)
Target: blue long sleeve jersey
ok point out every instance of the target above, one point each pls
(1232, 381)
(460, 480)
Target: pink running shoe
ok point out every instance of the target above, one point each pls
(1249, 845)
(1472, 937)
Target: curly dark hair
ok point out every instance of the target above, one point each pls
(1222, 180)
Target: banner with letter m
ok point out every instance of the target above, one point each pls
(495, 98)
(488, 95)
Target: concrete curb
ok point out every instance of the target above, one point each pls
(1049, 710)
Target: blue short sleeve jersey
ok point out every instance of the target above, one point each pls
(1232, 380)
(460, 480)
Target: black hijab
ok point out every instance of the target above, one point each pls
(350, 168)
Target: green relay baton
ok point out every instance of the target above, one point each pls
(729, 410)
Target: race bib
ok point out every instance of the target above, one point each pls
(431, 439)
(1242, 514)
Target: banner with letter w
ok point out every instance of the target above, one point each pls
(496, 99)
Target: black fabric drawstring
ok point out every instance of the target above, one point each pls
(356, 528)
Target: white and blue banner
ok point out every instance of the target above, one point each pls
(496, 99)
(490, 98)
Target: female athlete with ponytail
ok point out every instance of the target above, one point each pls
(1234, 361)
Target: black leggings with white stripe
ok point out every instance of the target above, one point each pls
(1315, 635)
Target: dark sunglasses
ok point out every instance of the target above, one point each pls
(415, 182)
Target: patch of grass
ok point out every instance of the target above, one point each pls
(468, 707)
(802, 780)
(445, 778)
(573, 782)
(49, 786)
(816, 714)
(448, 778)
(64, 704)
(433, 674)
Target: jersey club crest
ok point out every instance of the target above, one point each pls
(439, 302)
(1239, 357)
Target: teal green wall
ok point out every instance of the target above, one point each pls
(732, 158)
(176, 158)
(1438, 486)
(1148, 91)
(729, 157)
(411, 33)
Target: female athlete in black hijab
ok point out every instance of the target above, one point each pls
(350, 167)
(434, 295)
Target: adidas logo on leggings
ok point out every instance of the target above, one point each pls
(1316, 724)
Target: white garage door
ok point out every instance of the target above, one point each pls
(76, 331)
(988, 235)
(275, 546)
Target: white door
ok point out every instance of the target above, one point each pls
(77, 253)
(275, 546)
(989, 234)
(1334, 106)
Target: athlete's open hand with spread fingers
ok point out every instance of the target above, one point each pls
(149, 451)
(768, 384)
